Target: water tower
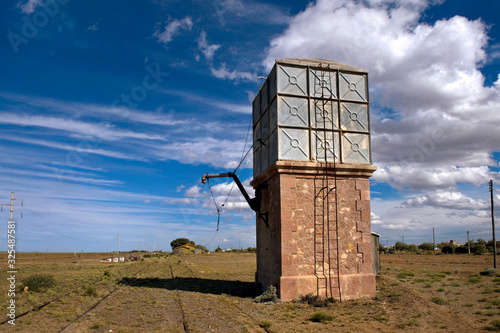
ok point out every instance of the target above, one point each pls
(312, 163)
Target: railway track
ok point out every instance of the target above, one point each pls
(167, 276)
(39, 307)
(228, 304)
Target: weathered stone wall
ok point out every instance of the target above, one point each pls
(307, 207)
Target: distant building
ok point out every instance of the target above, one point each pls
(186, 249)
(114, 259)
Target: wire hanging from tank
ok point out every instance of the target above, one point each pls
(243, 157)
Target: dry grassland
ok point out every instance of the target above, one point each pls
(215, 293)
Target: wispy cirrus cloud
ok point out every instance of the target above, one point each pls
(218, 153)
(225, 74)
(78, 109)
(30, 6)
(172, 28)
(216, 103)
(82, 149)
(102, 130)
(206, 48)
(264, 13)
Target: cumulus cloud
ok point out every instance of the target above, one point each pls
(172, 28)
(447, 199)
(375, 218)
(226, 194)
(434, 122)
(415, 177)
(193, 191)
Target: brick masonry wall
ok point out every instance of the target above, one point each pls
(306, 210)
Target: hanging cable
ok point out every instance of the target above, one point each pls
(245, 146)
(215, 203)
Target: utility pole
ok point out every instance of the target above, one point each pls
(12, 206)
(493, 226)
(468, 242)
(433, 241)
(118, 243)
(11, 238)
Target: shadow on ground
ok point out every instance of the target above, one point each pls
(206, 286)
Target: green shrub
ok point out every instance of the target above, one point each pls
(90, 291)
(438, 301)
(404, 275)
(320, 317)
(316, 300)
(267, 296)
(413, 322)
(474, 278)
(495, 326)
(489, 271)
(95, 326)
(38, 282)
(107, 273)
(266, 324)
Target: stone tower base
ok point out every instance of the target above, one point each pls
(313, 230)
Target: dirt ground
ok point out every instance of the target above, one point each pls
(215, 293)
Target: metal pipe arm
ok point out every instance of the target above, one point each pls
(253, 202)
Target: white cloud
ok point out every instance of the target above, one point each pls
(172, 28)
(375, 218)
(83, 148)
(226, 194)
(93, 27)
(417, 177)
(229, 11)
(77, 109)
(218, 103)
(224, 154)
(60, 177)
(447, 199)
(225, 74)
(102, 130)
(193, 191)
(207, 49)
(30, 6)
(442, 123)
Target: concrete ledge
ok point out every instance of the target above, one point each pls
(292, 287)
(314, 169)
(353, 286)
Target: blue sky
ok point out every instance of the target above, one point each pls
(111, 111)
